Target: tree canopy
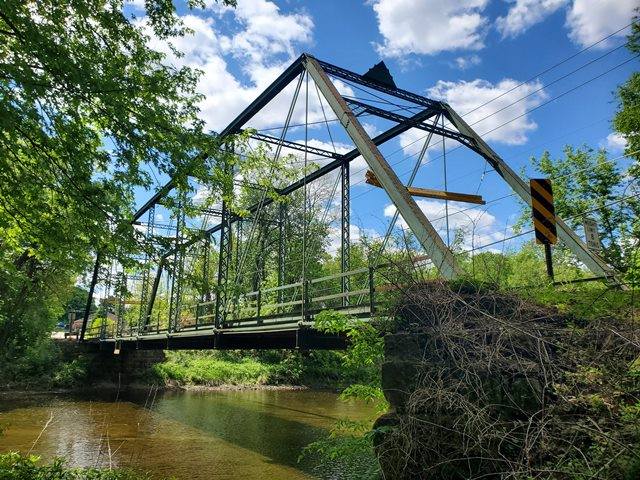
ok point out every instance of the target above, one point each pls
(85, 106)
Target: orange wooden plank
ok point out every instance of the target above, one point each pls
(371, 179)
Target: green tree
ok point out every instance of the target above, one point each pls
(587, 184)
(85, 106)
(627, 118)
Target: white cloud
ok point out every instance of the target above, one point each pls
(465, 96)
(429, 26)
(137, 4)
(413, 140)
(587, 20)
(467, 62)
(371, 129)
(590, 20)
(524, 14)
(264, 43)
(615, 142)
(479, 226)
(267, 31)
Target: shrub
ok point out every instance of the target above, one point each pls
(14, 466)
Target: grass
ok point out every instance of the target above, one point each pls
(269, 367)
(588, 301)
(211, 370)
(14, 466)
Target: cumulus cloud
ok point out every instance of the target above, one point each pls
(464, 63)
(429, 26)
(490, 121)
(615, 142)
(267, 31)
(263, 43)
(525, 13)
(356, 234)
(413, 140)
(478, 226)
(589, 21)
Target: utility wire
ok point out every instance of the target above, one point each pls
(547, 102)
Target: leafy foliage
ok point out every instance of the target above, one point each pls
(588, 184)
(627, 118)
(14, 466)
(86, 106)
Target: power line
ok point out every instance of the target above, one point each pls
(552, 67)
(621, 199)
(547, 102)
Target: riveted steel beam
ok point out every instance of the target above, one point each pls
(426, 234)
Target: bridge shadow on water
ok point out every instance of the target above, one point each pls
(259, 421)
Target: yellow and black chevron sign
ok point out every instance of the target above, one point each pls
(544, 214)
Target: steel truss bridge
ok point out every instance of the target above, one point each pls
(194, 291)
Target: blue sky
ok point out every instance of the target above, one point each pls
(464, 52)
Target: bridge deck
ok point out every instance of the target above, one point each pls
(252, 321)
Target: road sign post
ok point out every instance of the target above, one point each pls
(544, 218)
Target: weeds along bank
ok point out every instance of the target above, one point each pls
(488, 384)
(14, 466)
(52, 365)
(320, 369)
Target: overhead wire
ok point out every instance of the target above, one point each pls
(547, 102)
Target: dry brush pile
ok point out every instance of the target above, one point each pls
(487, 385)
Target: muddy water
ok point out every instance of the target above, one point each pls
(190, 435)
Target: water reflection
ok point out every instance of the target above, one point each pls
(200, 435)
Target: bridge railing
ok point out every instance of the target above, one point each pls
(300, 301)
(352, 292)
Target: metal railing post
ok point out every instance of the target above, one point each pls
(372, 289)
(306, 286)
(258, 306)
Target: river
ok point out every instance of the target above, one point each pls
(246, 434)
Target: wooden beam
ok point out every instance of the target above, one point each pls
(371, 179)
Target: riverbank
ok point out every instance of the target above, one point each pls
(63, 367)
(15, 466)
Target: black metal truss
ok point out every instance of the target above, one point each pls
(276, 87)
(282, 247)
(121, 288)
(343, 108)
(345, 228)
(206, 255)
(350, 76)
(176, 277)
(146, 272)
(396, 117)
(224, 263)
(393, 132)
(294, 146)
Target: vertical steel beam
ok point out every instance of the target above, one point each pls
(175, 304)
(121, 288)
(593, 262)
(345, 240)
(224, 260)
(424, 231)
(282, 247)
(154, 293)
(92, 286)
(146, 272)
(206, 288)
